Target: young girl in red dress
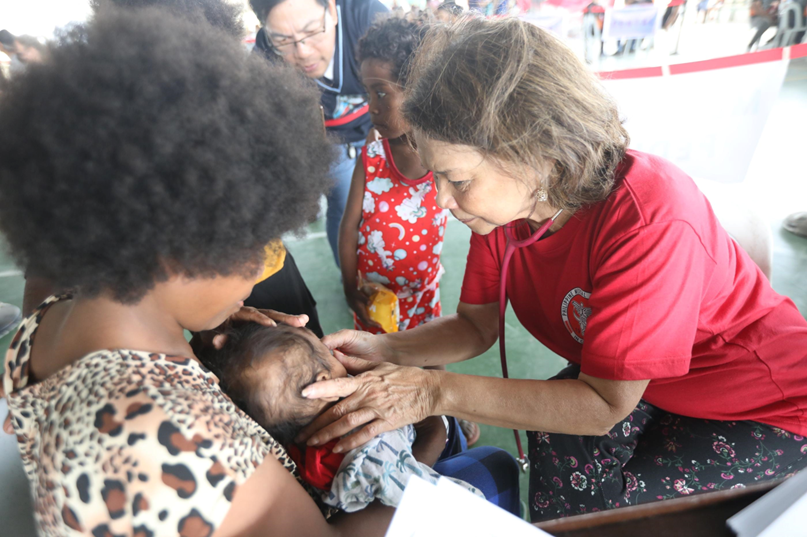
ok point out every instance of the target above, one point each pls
(392, 230)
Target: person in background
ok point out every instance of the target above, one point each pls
(23, 50)
(763, 15)
(671, 13)
(392, 231)
(448, 12)
(7, 44)
(29, 49)
(319, 38)
(281, 286)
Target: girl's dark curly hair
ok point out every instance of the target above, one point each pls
(146, 145)
(220, 14)
(392, 39)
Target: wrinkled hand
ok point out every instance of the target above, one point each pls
(379, 398)
(358, 302)
(357, 344)
(245, 315)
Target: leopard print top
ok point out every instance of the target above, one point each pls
(130, 443)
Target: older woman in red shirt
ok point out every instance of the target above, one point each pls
(686, 368)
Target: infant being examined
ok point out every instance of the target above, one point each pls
(264, 371)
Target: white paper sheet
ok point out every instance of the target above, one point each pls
(780, 512)
(446, 509)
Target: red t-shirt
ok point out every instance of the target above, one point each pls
(648, 285)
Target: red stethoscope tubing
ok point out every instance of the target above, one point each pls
(512, 245)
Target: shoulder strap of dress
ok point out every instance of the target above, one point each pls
(15, 374)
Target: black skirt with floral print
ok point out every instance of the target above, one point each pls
(653, 455)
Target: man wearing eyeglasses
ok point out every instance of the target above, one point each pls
(319, 38)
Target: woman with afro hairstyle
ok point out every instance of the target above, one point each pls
(281, 286)
(145, 165)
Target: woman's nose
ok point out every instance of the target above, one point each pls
(444, 199)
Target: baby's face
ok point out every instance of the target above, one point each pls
(282, 375)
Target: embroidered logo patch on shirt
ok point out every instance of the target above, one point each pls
(575, 311)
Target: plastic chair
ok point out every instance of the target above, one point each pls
(791, 23)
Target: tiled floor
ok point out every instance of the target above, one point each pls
(777, 180)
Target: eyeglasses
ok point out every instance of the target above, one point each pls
(288, 47)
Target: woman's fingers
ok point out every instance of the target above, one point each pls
(286, 318)
(251, 315)
(248, 314)
(342, 427)
(354, 366)
(268, 317)
(362, 436)
(340, 340)
(323, 421)
(218, 341)
(354, 343)
(324, 389)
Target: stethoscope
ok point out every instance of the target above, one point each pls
(512, 245)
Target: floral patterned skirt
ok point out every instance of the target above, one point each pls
(653, 455)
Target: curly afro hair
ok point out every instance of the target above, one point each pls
(144, 146)
(392, 39)
(220, 14)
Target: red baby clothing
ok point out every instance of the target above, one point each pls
(317, 464)
(401, 237)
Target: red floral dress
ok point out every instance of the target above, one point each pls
(401, 237)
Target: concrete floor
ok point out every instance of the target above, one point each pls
(777, 180)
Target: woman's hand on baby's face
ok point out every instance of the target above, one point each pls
(380, 397)
(362, 345)
(251, 315)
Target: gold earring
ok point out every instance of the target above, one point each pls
(541, 195)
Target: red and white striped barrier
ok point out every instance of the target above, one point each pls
(777, 54)
(706, 116)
